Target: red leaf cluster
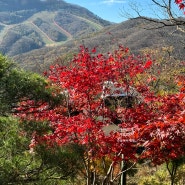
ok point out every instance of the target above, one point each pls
(155, 123)
(181, 4)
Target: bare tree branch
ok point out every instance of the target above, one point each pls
(167, 7)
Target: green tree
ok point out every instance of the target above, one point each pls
(17, 84)
(18, 163)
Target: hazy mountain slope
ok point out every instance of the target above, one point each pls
(130, 33)
(27, 25)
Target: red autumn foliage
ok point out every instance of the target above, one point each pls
(181, 4)
(154, 122)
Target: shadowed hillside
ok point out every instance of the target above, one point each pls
(131, 33)
(27, 25)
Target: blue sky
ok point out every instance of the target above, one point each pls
(112, 10)
(107, 9)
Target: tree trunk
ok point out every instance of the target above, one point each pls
(124, 175)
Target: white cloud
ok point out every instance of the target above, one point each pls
(110, 2)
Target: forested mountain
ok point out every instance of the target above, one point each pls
(27, 25)
(134, 34)
(36, 33)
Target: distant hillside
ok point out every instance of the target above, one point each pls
(131, 33)
(26, 25)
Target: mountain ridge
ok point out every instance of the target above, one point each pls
(130, 33)
(36, 38)
(34, 24)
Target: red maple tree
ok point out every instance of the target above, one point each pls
(110, 112)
